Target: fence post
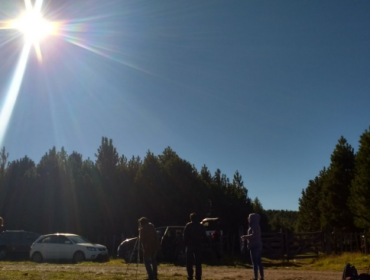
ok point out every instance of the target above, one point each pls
(233, 245)
(114, 241)
(282, 243)
(328, 242)
(287, 245)
(365, 241)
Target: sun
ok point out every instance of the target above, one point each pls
(33, 26)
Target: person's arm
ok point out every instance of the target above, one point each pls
(143, 235)
(255, 233)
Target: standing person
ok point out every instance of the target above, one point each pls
(254, 243)
(194, 234)
(149, 239)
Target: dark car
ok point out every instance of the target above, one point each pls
(170, 249)
(16, 243)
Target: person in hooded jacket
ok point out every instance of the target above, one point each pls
(254, 244)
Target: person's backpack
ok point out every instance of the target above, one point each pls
(349, 272)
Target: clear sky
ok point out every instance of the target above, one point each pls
(263, 87)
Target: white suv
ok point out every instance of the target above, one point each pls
(66, 246)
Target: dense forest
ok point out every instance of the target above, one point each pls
(338, 198)
(65, 193)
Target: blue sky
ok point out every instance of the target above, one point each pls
(263, 87)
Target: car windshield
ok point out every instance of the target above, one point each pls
(160, 232)
(78, 239)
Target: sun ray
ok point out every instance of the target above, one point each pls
(28, 5)
(38, 51)
(32, 13)
(11, 97)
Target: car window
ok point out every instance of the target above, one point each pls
(160, 231)
(49, 239)
(78, 239)
(63, 240)
(15, 235)
(5, 235)
(44, 240)
(30, 236)
(53, 239)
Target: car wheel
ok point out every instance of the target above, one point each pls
(37, 257)
(2, 253)
(78, 257)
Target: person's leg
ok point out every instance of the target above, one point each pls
(148, 267)
(254, 255)
(198, 264)
(259, 262)
(155, 266)
(189, 263)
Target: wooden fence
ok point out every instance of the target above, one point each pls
(278, 245)
(286, 245)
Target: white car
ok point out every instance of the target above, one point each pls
(66, 246)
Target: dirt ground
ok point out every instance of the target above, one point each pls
(176, 272)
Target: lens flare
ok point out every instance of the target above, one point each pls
(33, 27)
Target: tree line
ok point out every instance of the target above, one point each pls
(65, 193)
(338, 198)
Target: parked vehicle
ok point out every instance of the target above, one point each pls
(166, 235)
(214, 232)
(67, 247)
(16, 243)
(171, 240)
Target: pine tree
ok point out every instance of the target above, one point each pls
(335, 212)
(360, 189)
(309, 212)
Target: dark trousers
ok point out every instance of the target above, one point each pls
(194, 256)
(257, 262)
(151, 266)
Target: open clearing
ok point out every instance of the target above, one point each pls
(28, 270)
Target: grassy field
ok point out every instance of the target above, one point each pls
(15, 270)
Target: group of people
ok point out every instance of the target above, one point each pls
(194, 234)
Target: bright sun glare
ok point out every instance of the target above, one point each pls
(33, 26)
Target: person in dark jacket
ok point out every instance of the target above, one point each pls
(149, 239)
(254, 244)
(194, 234)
